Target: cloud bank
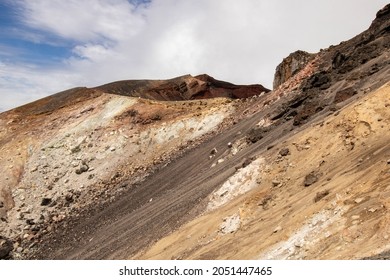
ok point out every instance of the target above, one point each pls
(238, 41)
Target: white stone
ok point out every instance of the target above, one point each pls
(230, 224)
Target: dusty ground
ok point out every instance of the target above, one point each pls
(343, 215)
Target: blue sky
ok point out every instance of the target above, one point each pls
(20, 44)
(51, 45)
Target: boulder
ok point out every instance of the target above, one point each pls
(6, 247)
(290, 66)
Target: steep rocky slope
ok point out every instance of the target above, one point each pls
(300, 172)
(321, 191)
(62, 153)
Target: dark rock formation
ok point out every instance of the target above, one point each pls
(290, 66)
(381, 24)
(6, 247)
(337, 74)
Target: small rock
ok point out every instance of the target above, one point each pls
(388, 161)
(3, 214)
(61, 217)
(358, 200)
(6, 246)
(298, 244)
(83, 168)
(69, 197)
(310, 179)
(284, 152)
(30, 222)
(112, 149)
(35, 228)
(246, 162)
(355, 217)
(275, 183)
(278, 228)
(321, 195)
(230, 224)
(220, 160)
(19, 250)
(75, 149)
(45, 201)
(213, 151)
(230, 145)
(123, 185)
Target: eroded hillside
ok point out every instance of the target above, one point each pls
(323, 193)
(66, 151)
(196, 168)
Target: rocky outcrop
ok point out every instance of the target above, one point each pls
(381, 24)
(329, 79)
(290, 66)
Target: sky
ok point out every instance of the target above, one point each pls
(47, 46)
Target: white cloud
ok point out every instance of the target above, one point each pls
(84, 20)
(238, 41)
(20, 84)
(92, 52)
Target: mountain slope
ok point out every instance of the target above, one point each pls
(320, 193)
(300, 172)
(63, 153)
(328, 198)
